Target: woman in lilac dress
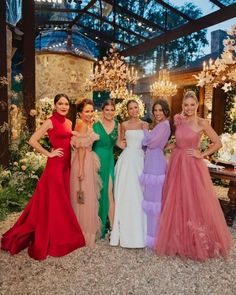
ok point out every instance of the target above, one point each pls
(153, 175)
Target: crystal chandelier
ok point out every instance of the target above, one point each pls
(163, 87)
(113, 75)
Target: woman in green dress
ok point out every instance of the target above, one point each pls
(107, 128)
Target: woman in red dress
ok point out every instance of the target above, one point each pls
(48, 225)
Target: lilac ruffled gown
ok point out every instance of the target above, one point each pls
(153, 176)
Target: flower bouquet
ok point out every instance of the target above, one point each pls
(227, 154)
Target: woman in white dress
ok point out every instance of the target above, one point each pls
(129, 229)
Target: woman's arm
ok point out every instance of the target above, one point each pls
(216, 143)
(121, 143)
(158, 137)
(82, 129)
(145, 125)
(210, 132)
(34, 141)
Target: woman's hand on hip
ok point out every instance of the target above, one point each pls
(56, 153)
(194, 153)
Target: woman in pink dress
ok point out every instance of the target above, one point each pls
(85, 182)
(192, 224)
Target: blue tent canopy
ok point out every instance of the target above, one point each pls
(61, 41)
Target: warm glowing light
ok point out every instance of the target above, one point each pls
(163, 87)
(112, 74)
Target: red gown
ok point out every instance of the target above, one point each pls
(48, 225)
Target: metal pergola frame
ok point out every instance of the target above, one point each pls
(142, 42)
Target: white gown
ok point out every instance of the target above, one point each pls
(129, 229)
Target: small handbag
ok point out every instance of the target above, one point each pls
(80, 195)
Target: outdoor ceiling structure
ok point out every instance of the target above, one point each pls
(112, 21)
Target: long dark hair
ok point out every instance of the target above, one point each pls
(164, 105)
(165, 108)
(59, 96)
(83, 103)
(108, 102)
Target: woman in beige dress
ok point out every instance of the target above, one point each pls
(85, 183)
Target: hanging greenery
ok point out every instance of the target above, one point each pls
(230, 112)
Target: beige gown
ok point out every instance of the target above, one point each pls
(86, 210)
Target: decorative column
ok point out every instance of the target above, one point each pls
(218, 110)
(201, 102)
(4, 115)
(28, 21)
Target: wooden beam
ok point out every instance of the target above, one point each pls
(173, 9)
(63, 10)
(189, 28)
(102, 42)
(28, 23)
(95, 33)
(118, 26)
(4, 119)
(218, 110)
(218, 3)
(108, 38)
(135, 16)
(81, 12)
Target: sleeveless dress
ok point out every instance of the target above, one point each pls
(104, 150)
(48, 225)
(153, 176)
(87, 213)
(129, 229)
(192, 224)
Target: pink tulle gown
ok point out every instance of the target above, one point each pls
(192, 224)
(87, 213)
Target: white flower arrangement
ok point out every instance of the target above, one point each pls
(44, 109)
(3, 81)
(18, 78)
(17, 121)
(228, 151)
(121, 109)
(32, 161)
(223, 70)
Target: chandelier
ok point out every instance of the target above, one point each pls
(111, 74)
(222, 71)
(163, 87)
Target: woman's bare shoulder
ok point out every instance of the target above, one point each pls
(81, 126)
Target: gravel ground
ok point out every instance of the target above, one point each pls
(113, 270)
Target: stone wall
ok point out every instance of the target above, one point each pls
(62, 73)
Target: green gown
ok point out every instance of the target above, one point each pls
(104, 150)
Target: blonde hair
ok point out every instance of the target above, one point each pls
(190, 94)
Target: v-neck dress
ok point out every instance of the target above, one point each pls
(104, 150)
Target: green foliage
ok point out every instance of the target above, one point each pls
(11, 201)
(18, 183)
(230, 119)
